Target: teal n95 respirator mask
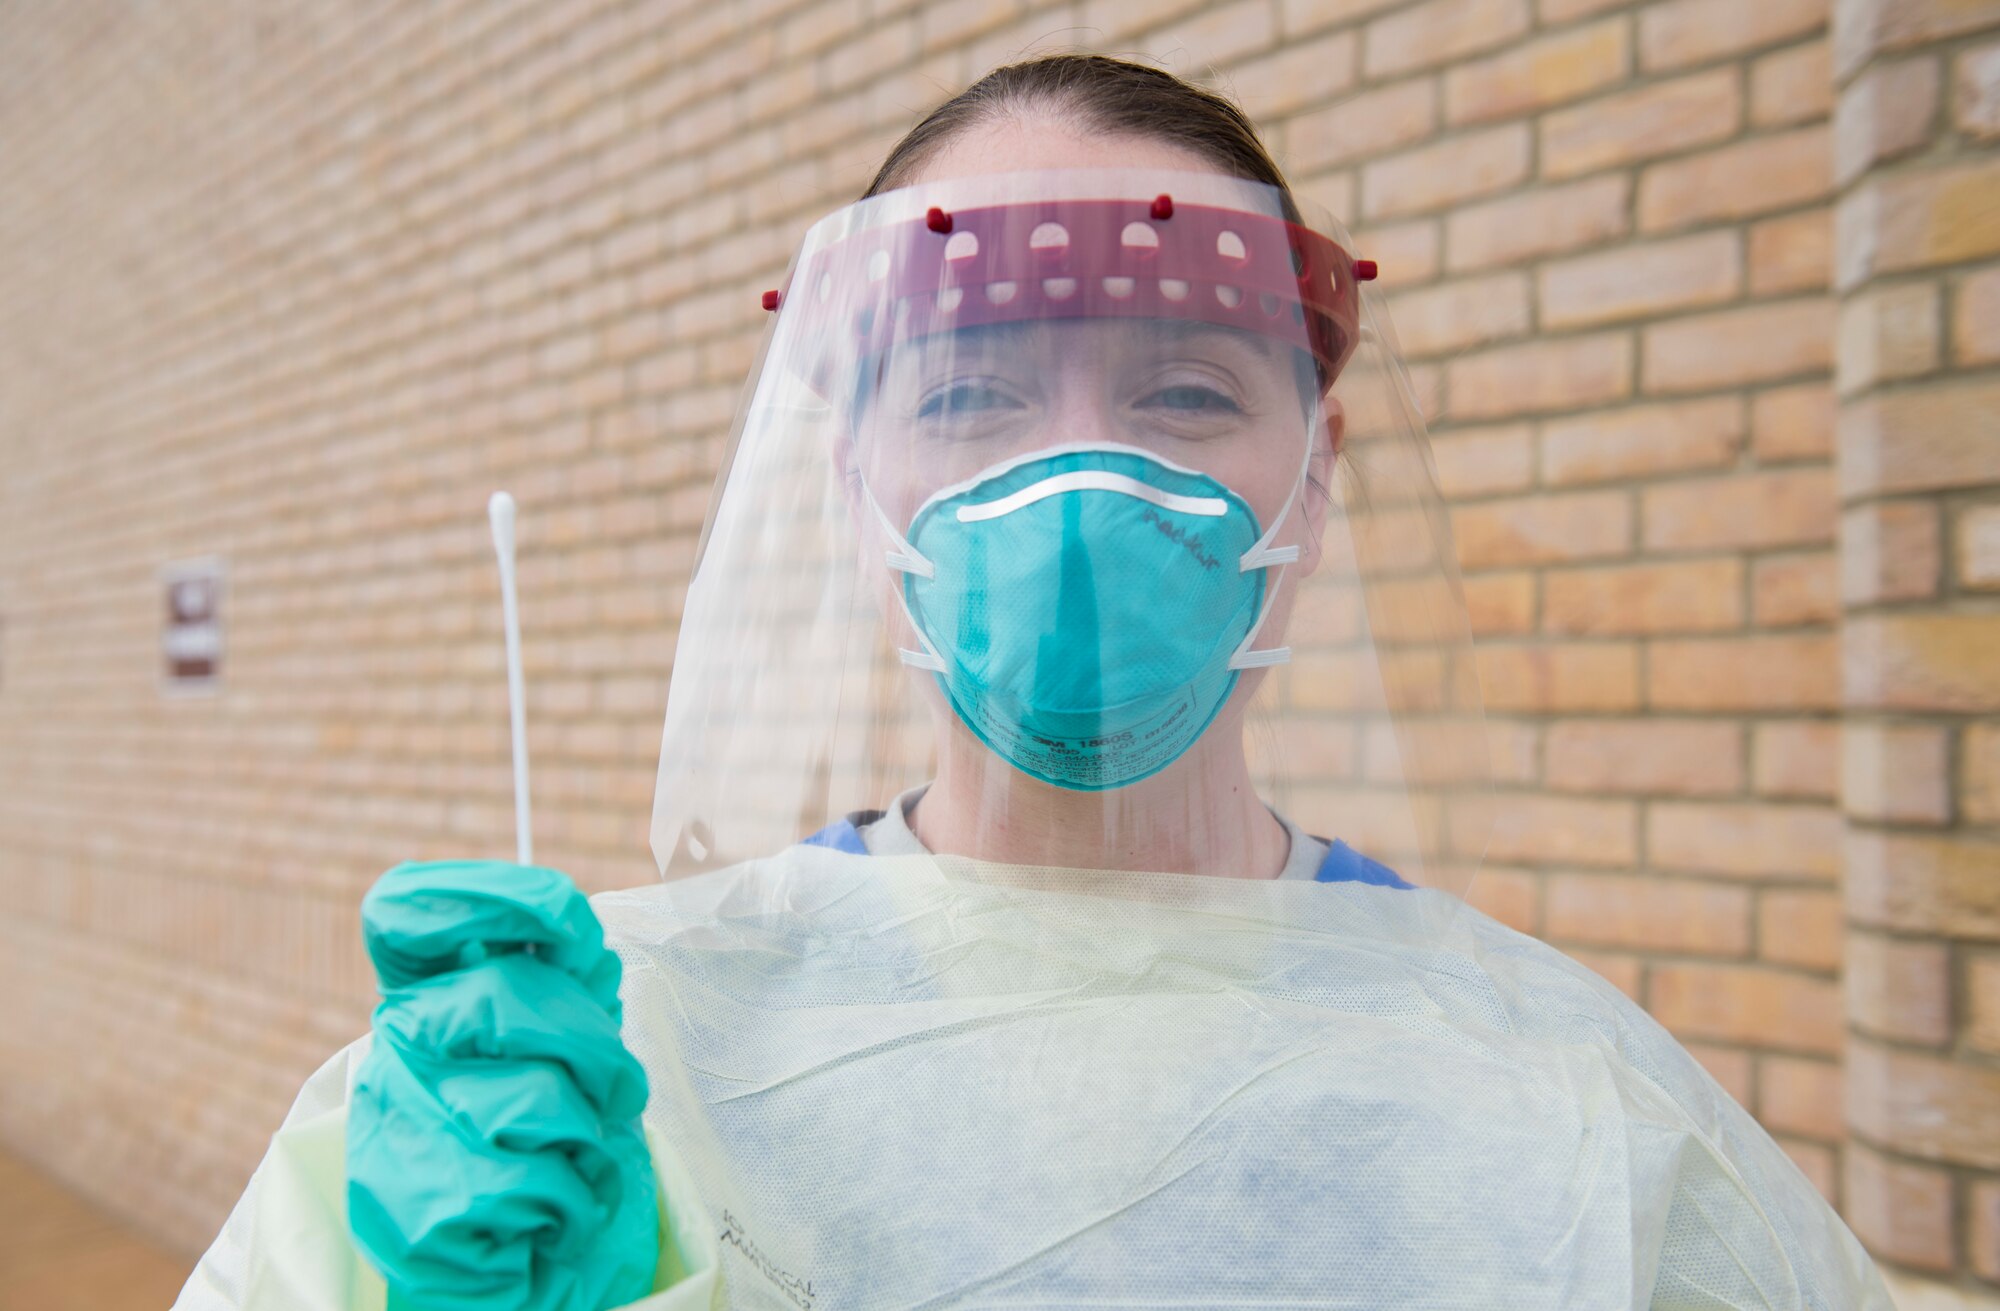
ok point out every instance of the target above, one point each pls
(1087, 609)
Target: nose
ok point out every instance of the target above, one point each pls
(1082, 399)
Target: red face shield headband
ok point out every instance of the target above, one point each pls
(1076, 259)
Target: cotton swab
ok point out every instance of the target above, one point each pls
(500, 512)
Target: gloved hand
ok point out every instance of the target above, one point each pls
(494, 1159)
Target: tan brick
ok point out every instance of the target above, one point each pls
(1925, 1106)
(1899, 989)
(1916, 218)
(1027, 36)
(948, 22)
(1681, 597)
(1923, 439)
(1642, 441)
(1458, 169)
(1427, 385)
(1436, 751)
(1884, 113)
(1903, 1212)
(1677, 757)
(1563, 374)
(1895, 774)
(1683, 32)
(1527, 828)
(1745, 673)
(1343, 682)
(1640, 124)
(1737, 181)
(1221, 33)
(1800, 1096)
(1703, 919)
(1979, 779)
(1793, 423)
(1729, 348)
(1983, 1239)
(1295, 76)
(1552, 12)
(1363, 125)
(1941, 662)
(1559, 676)
(1797, 758)
(1975, 322)
(1457, 315)
(1747, 1004)
(1437, 32)
(817, 26)
(1791, 590)
(1889, 551)
(1500, 604)
(1802, 927)
(1728, 1066)
(1864, 28)
(1406, 253)
(1793, 253)
(1982, 1001)
(1334, 192)
(1817, 1162)
(1785, 507)
(1485, 461)
(1535, 76)
(1887, 334)
(1976, 553)
(1314, 746)
(877, 48)
(1537, 222)
(1745, 840)
(1625, 973)
(1513, 751)
(1542, 529)
(1298, 17)
(1511, 896)
(1792, 86)
(1976, 108)
(1922, 884)
(1631, 282)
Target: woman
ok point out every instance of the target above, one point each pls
(1078, 511)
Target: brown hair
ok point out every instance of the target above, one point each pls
(1100, 94)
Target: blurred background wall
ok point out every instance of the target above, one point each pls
(1703, 295)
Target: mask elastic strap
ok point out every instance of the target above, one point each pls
(904, 558)
(1244, 657)
(1265, 556)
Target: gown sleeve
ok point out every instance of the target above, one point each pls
(285, 1246)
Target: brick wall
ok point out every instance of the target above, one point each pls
(297, 286)
(1607, 227)
(1916, 159)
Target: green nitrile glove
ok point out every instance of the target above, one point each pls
(494, 1156)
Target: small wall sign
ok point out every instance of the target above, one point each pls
(191, 641)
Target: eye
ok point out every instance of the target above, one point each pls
(964, 398)
(1188, 398)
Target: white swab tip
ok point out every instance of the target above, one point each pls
(500, 512)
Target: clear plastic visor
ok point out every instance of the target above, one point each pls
(1079, 521)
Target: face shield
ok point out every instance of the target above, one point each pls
(1078, 520)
